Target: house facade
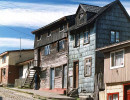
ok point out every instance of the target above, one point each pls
(94, 27)
(50, 54)
(116, 71)
(8, 60)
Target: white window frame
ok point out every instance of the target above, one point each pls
(114, 67)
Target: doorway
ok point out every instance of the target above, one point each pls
(76, 74)
(127, 91)
(52, 78)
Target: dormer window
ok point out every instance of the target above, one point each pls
(81, 16)
(48, 34)
(61, 27)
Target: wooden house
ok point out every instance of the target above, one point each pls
(116, 71)
(50, 54)
(9, 71)
(94, 27)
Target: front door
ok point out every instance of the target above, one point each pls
(128, 94)
(76, 74)
(65, 76)
(52, 78)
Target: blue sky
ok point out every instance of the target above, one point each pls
(19, 17)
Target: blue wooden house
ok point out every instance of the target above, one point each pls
(94, 27)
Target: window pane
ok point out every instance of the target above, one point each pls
(117, 36)
(58, 71)
(112, 36)
(77, 36)
(110, 97)
(112, 60)
(88, 66)
(115, 96)
(47, 50)
(86, 37)
(119, 58)
(61, 45)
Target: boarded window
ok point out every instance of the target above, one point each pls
(87, 66)
(76, 40)
(117, 59)
(114, 36)
(86, 37)
(58, 71)
(61, 45)
(4, 59)
(113, 96)
(44, 74)
(47, 50)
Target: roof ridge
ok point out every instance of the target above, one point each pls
(89, 5)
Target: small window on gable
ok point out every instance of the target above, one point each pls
(4, 59)
(47, 50)
(87, 66)
(61, 27)
(39, 37)
(113, 96)
(81, 18)
(48, 34)
(86, 37)
(114, 36)
(58, 71)
(117, 59)
(61, 45)
(76, 40)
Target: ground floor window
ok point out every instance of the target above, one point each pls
(43, 74)
(58, 71)
(113, 96)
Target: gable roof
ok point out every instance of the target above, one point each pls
(99, 13)
(90, 8)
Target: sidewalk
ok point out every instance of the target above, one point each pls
(45, 94)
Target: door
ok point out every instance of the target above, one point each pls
(65, 76)
(128, 94)
(52, 78)
(76, 74)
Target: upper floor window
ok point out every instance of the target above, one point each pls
(113, 96)
(76, 40)
(3, 71)
(4, 59)
(81, 16)
(48, 34)
(47, 50)
(38, 37)
(61, 27)
(61, 45)
(87, 66)
(86, 37)
(117, 59)
(114, 36)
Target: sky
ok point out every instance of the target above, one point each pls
(19, 17)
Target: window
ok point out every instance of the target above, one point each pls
(114, 36)
(58, 71)
(61, 27)
(81, 18)
(48, 34)
(117, 59)
(87, 66)
(76, 40)
(3, 71)
(4, 59)
(44, 74)
(86, 37)
(47, 50)
(113, 96)
(38, 37)
(61, 45)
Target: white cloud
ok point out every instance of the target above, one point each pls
(32, 15)
(15, 43)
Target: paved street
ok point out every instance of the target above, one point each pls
(6, 94)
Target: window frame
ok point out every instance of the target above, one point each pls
(115, 31)
(47, 49)
(108, 94)
(39, 35)
(48, 34)
(85, 73)
(75, 46)
(63, 43)
(59, 76)
(4, 59)
(3, 71)
(88, 37)
(114, 67)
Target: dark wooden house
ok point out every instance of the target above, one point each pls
(50, 54)
(94, 27)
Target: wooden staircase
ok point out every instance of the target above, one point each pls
(29, 79)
